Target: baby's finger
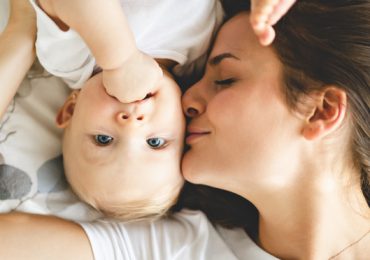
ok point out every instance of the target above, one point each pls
(263, 6)
(267, 36)
(261, 11)
(280, 10)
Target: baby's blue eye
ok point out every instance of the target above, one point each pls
(156, 142)
(103, 140)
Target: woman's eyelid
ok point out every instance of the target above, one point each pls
(224, 83)
(224, 76)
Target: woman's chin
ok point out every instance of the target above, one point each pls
(190, 168)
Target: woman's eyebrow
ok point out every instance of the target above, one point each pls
(218, 58)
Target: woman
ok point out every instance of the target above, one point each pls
(266, 124)
(290, 124)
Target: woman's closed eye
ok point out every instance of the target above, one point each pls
(103, 140)
(156, 142)
(225, 82)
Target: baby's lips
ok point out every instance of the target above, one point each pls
(130, 98)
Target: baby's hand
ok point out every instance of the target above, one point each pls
(134, 79)
(265, 14)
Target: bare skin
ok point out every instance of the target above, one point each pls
(16, 49)
(264, 15)
(49, 238)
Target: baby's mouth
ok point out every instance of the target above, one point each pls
(147, 97)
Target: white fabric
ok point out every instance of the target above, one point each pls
(186, 235)
(173, 29)
(4, 13)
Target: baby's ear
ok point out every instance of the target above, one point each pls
(65, 113)
(327, 114)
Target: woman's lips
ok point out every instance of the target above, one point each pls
(194, 135)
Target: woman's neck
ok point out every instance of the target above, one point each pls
(314, 219)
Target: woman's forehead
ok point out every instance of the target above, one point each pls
(236, 37)
(235, 34)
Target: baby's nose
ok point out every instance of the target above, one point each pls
(124, 116)
(135, 112)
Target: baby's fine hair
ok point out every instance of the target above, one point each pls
(150, 208)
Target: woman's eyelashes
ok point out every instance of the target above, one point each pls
(225, 82)
(103, 140)
(156, 142)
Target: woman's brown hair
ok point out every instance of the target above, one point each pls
(324, 43)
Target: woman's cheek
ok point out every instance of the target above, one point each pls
(223, 108)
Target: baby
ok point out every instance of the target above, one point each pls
(123, 125)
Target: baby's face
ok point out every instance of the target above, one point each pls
(117, 152)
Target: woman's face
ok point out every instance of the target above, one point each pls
(241, 129)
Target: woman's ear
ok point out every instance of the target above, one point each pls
(65, 113)
(328, 113)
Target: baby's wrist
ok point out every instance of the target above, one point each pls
(124, 61)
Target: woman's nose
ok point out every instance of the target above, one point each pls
(194, 103)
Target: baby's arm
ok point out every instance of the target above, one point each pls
(16, 49)
(265, 14)
(128, 74)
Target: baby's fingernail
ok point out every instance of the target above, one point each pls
(267, 37)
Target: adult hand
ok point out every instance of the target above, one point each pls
(138, 76)
(22, 17)
(16, 49)
(265, 14)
